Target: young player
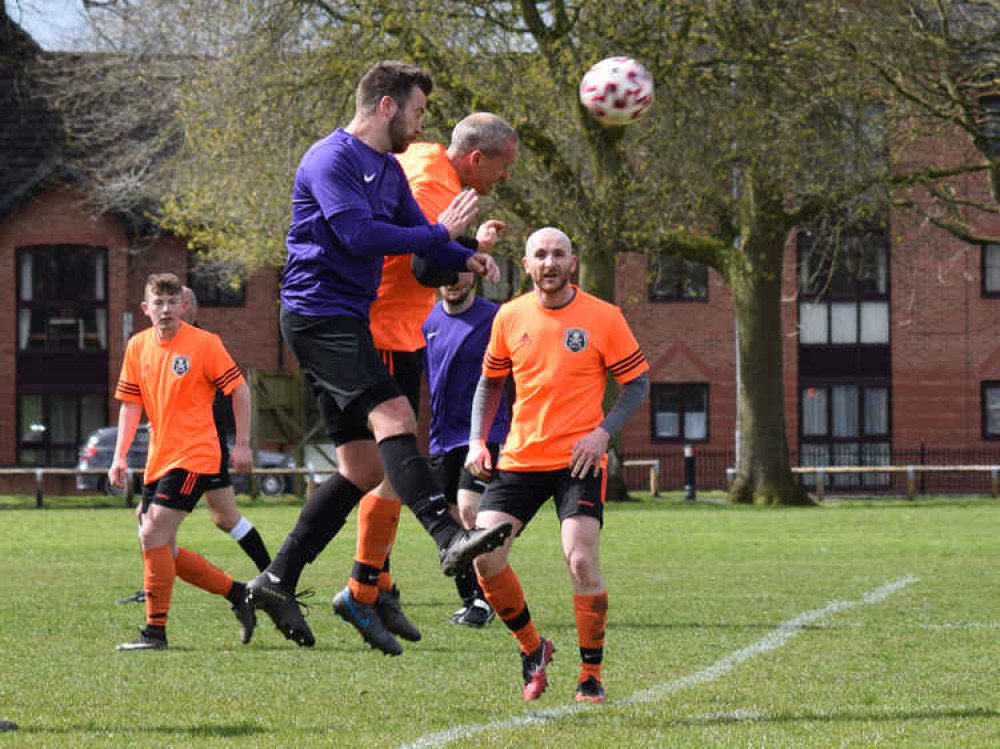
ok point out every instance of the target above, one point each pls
(173, 370)
(219, 495)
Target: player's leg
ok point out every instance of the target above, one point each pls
(356, 603)
(140, 595)
(476, 610)
(221, 501)
(327, 349)
(371, 582)
(227, 518)
(580, 503)
(166, 503)
(320, 519)
(378, 516)
(514, 498)
(394, 425)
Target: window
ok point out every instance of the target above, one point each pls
(845, 424)
(991, 270)
(989, 127)
(679, 412)
(53, 426)
(844, 292)
(991, 410)
(216, 282)
(62, 299)
(677, 279)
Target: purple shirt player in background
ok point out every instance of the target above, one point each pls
(457, 332)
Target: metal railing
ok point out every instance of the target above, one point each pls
(908, 471)
(128, 493)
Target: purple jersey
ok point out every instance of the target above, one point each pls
(351, 206)
(454, 356)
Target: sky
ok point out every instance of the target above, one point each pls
(52, 23)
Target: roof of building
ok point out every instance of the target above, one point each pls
(31, 133)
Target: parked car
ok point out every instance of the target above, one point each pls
(99, 448)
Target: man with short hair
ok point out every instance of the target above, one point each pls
(351, 206)
(172, 370)
(481, 153)
(219, 494)
(457, 331)
(560, 344)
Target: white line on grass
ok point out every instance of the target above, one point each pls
(772, 641)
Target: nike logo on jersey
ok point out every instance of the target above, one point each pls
(369, 177)
(432, 334)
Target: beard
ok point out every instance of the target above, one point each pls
(399, 138)
(462, 297)
(553, 284)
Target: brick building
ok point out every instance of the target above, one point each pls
(897, 363)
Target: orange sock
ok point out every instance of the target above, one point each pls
(158, 573)
(591, 621)
(385, 581)
(503, 592)
(378, 518)
(193, 568)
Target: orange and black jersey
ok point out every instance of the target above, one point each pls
(560, 359)
(176, 381)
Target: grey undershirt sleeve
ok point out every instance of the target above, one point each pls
(630, 397)
(485, 405)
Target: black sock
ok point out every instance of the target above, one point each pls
(410, 476)
(320, 519)
(468, 585)
(236, 593)
(253, 545)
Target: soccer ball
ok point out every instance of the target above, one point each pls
(616, 91)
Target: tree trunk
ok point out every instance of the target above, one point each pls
(763, 472)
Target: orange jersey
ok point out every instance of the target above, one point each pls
(403, 303)
(560, 359)
(175, 381)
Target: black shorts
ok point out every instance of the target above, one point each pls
(340, 362)
(221, 479)
(406, 368)
(177, 489)
(522, 493)
(450, 475)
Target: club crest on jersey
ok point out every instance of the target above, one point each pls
(575, 340)
(180, 365)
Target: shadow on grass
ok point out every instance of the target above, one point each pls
(202, 731)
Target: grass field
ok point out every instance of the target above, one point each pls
(863, 623)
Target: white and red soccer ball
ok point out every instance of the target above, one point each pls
(616, 91)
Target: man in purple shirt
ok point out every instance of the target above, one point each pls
(351, 206)
(457, 331)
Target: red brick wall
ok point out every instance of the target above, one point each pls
(56, 217)
(52, 217)
(695, 342)
(944, 339)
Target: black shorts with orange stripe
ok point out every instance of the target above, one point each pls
(451, 476)
(522, 493)
(177, 489)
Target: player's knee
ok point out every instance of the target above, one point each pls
(583, 568)
(489, 565)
